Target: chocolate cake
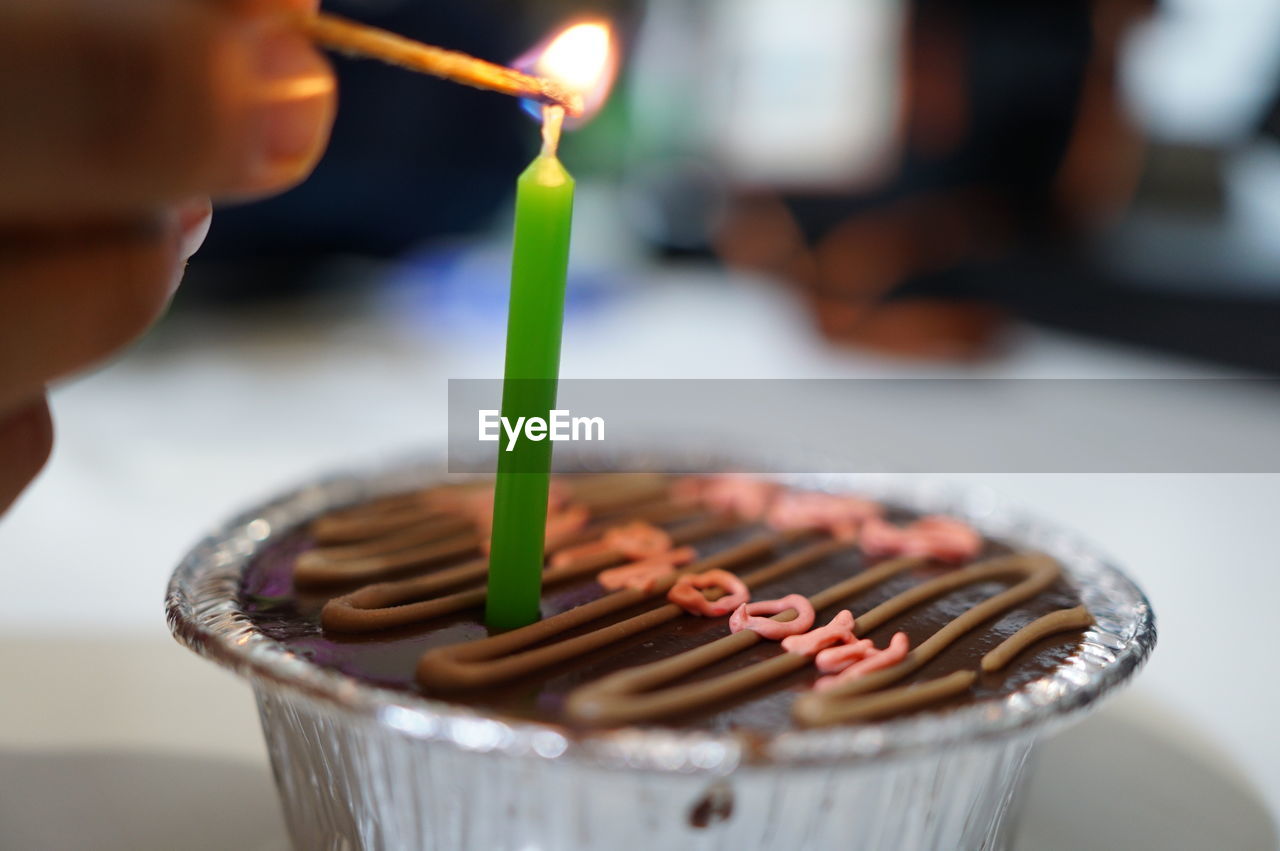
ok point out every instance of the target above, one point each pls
(720, 603)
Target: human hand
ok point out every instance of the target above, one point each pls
(121, 119)
(848, 276)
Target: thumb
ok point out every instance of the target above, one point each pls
(124, 105)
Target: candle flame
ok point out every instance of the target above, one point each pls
(582, 60)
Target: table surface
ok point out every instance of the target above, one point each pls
(208, 415)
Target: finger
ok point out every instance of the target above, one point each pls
(120, 106)
(760, 234)
(931, 329)
(70, 298)
(26, 438)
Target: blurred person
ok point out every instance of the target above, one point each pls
(122, 120)
(1014, 140)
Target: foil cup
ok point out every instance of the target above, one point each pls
(362, 767)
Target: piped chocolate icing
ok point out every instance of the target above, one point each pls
(858, 612)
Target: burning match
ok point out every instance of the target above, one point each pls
(357, 39)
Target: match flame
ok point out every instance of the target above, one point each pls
(581, 58)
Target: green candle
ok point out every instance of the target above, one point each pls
(540, 258)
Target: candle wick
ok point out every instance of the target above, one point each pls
(552, 120)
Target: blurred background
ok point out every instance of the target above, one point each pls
(776, 189)
(919, 173)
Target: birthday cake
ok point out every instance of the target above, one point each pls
(724, 603)
(719, 658)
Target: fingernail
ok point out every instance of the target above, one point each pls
(194, 218)
(295, 103)
(188, 222)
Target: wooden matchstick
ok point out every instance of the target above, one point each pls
(356, 39)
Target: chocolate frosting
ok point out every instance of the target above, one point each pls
(600, 658)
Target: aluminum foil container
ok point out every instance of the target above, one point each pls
(361, 767)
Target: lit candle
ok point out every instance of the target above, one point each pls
(579, 59)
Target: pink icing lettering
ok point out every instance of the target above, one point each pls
(936, 537)
(877, 660)
(749, 616)
(839, 631)
(644, 575)
(687, 593)
(839, 515)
